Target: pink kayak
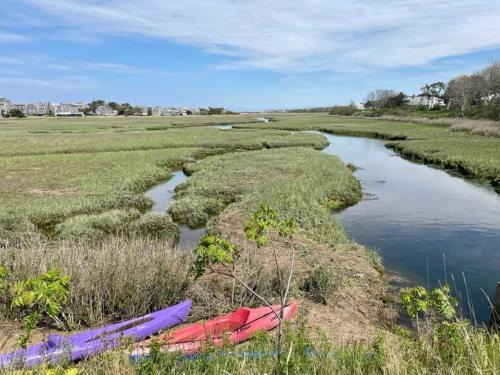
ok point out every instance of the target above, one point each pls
(219, 331)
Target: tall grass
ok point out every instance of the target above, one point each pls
(450, 348)
(479, 127)
(115, 279)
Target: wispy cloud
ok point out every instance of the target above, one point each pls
(63, 82)
(6, 37)
(296, 35)
(42, 62)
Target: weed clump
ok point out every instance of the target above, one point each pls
(321, 284)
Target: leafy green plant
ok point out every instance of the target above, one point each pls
(418, 300)
(3, 276)
(219, 256)
(42, 296)
(258, 228)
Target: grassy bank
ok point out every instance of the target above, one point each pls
(298, 182)
(473, 155)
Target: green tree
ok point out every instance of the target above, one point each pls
(16, 113)
(436, 89)
(94, 104)
(396, 101)
(216, 110)
(219, 256)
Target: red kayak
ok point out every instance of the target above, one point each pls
(234, 328)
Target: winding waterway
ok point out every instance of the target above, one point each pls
(161, 195)
(426, 224)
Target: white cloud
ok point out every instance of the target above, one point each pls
(13, 38)
(298, 35)
(49, 63)
(64, 82)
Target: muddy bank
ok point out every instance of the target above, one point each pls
(359, 286)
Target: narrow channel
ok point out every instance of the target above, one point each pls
(426, 224)
(161, 195)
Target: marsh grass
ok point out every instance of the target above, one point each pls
(129, 223)
(69, 176)
(295, 181)
(321, 283)
(479, 127)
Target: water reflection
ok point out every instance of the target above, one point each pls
(162, 194)
(422, 213)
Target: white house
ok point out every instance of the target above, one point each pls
(491, 98)
(37, 109)
(169, 111)
(67, 110)
(143, 110)
(105, 110)
(21, 107)
(428, 101)
(5, 106)
(359, 106)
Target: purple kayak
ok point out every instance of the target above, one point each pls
(88, 343)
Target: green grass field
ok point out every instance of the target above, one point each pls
(50, 177)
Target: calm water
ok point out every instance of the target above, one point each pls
(415, 215)
(262, 119)
(162, 195)
(223, 127)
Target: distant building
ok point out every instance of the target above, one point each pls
(21, 107)
(143, 111)
(38, 109)
(488, 99)
(67, 110)
(156, 111)
(105, 110)
(5, 106)
(359, 106)
(427, 101)
(173, 111)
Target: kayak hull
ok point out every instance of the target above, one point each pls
(258, 319)
(202, 331)
(88, 343)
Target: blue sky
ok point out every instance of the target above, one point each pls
(240, 54)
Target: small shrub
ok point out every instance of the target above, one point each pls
(343, 110)
(154, 225)
(321, 284)
(376, 260)
(39, 297)
(95, 227)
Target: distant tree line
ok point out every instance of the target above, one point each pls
(475, 95)
(124, 109)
